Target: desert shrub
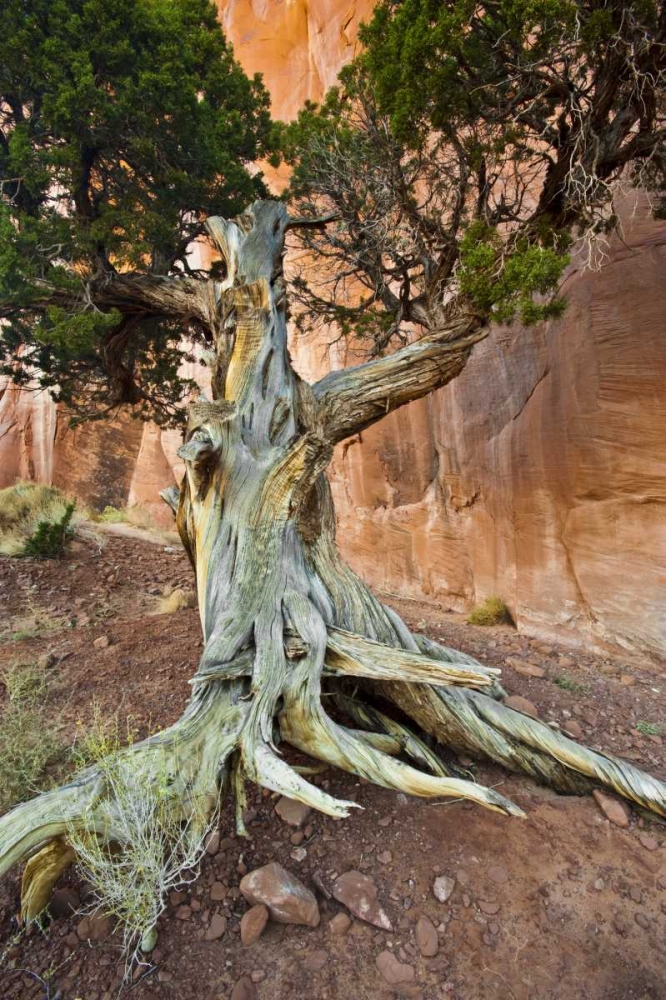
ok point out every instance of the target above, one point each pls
(175, 601)
(160, 849)
(29, 743)
(650, 728)
(50, 538)
(24, 507)
(493, 611)
(111, 515)
(568, 684)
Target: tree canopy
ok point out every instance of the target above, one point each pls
(123, 125)
(467, 148)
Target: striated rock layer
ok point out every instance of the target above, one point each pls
(538, 475)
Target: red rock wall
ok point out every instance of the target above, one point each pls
(538, 475)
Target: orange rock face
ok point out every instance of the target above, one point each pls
(538, 475)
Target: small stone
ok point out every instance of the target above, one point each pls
(525, 668)
(359, 894)
(393, 971)
(599, 885)
(298, 854)
(489, 907)
(177, 897)
(292, 812)
(443, 887)
(257, 975)
(340, 924)
(520, 704)
(244, 990)
(385, 821)
(648, 842)
(102, 642)
(287, 899)
(642, 920)
(385, 857)
(218, 892)
(213, 843)
(216, 927)
(184, 912)
(94, 927)
(635, 894)
(297, 838)
(573, 729)
(64, 902)
(46, 661)
(627, 680)
(253, 923)
(620, 926)
(316, 961)
(499, 874)
(612, 808)
(427, 940)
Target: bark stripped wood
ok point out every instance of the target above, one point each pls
(284, 619)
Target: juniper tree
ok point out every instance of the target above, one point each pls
(450, 206)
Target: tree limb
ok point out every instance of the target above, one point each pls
(354, 398)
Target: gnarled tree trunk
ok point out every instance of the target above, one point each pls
(283, 615)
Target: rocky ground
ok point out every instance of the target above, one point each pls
(413, 899)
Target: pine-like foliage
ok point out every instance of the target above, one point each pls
(466, 149)
(123, 124)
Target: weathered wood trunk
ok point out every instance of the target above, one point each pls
(282, 614)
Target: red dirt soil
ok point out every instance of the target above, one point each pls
(559, 906)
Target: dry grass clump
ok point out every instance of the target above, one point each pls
(29, 743)
(493, 611)
(155, 849)
(26, 506)
(176, 600)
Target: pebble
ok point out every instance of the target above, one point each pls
(287, 899)
(299, 854)
(627, 680)
(216, 927)
(393, 971)
(213, 843)
(340, 924)
(253, 923)
(292, 812)
(244, 990)
(94, 927)
(573, 729)
(489, 907)
(359, 894)
(499, 874)
(443, 887)
(184, 912)
(525, 668)
(648, 842)
(218, 891)
(642, 920)
(427, 939)
(316, 961)
(385, 857)
(102, 642)
(613, 809)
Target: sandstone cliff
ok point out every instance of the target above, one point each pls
(539, 475)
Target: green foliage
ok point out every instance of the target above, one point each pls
(467, 148)
(650, 728)
(492, 611)
(23, 507)
(567, 684)
(111, 515)
(29, 744)
(49, 539)
(125, 123)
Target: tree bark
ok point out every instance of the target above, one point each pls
(282, 615)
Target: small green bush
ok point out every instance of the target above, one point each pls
(650, 728)
(567, 684)
(493, 611)
(111, 515)
(50, 538)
